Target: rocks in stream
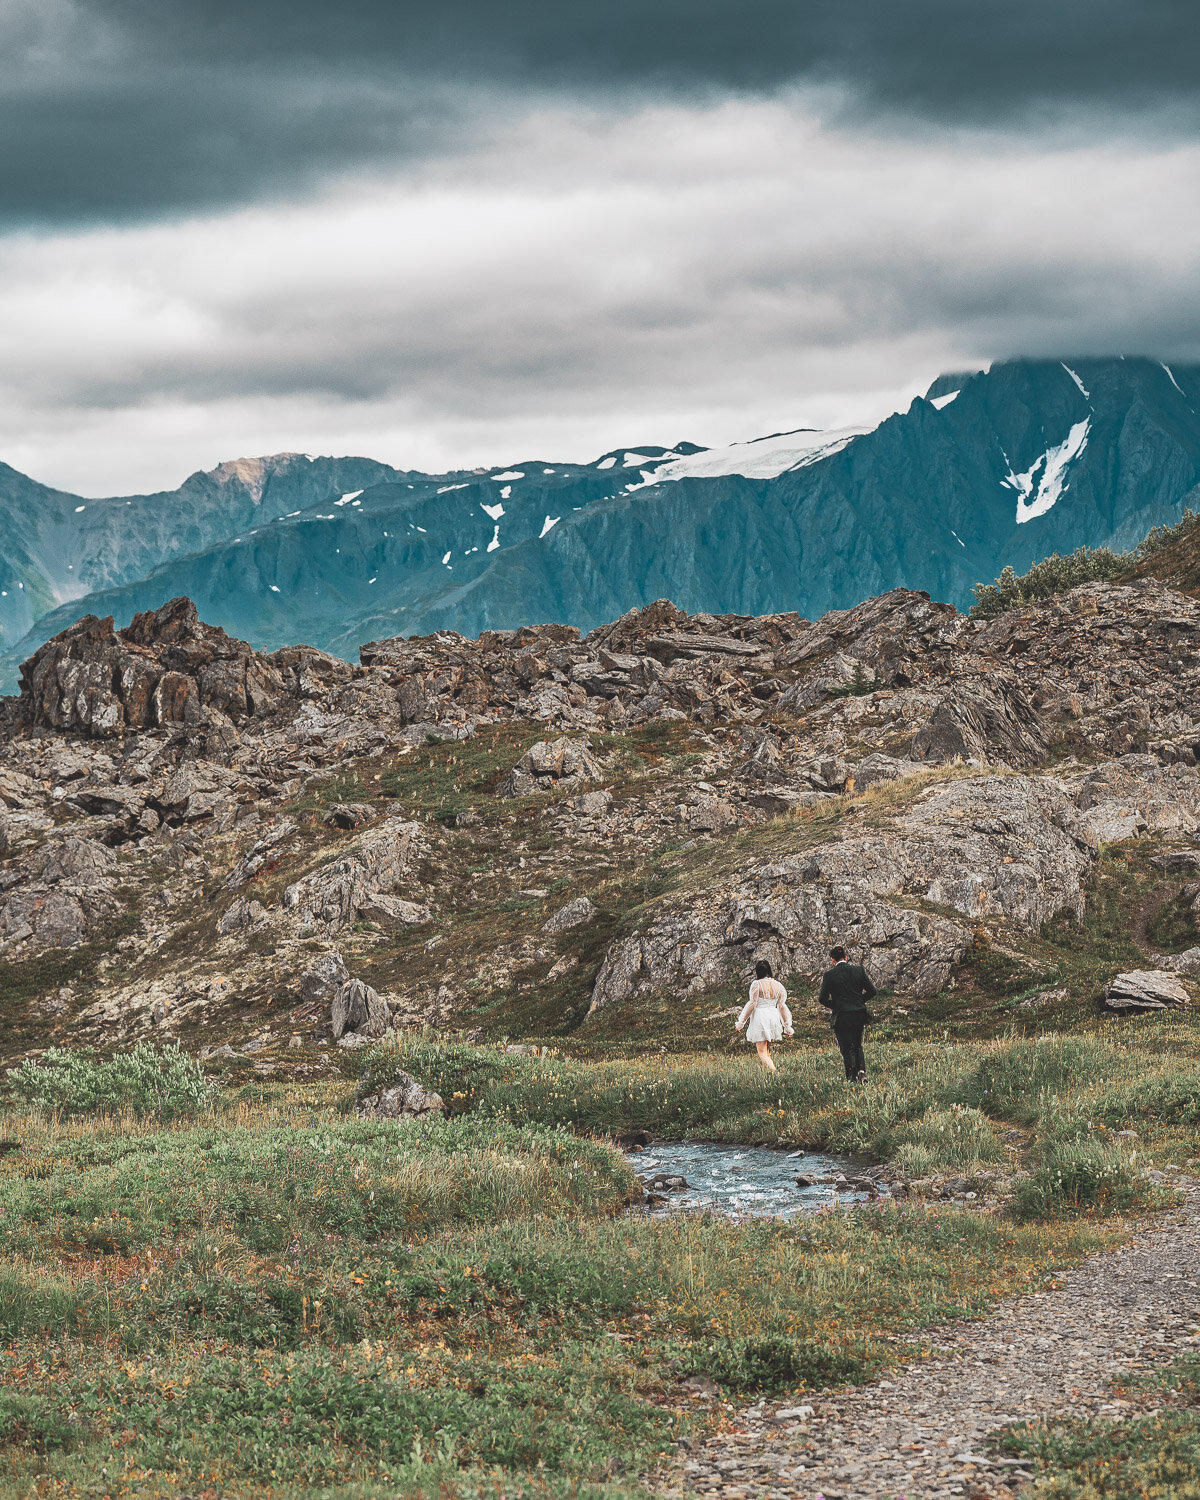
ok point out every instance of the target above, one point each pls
(667, 1182)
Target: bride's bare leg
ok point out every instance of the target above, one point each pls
(764, 1055)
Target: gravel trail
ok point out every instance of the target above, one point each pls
(920, 1432)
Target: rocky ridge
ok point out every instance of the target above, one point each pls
(200, 821)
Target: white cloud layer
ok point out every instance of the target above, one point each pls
(589, 277)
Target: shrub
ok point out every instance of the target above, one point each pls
(1162, 536)
(959, 1139)
(1172, 1098)
(1015, 1082)
(1081, 1175)
(1054, 575)
(776, 1362)
(164, 1085)
(32, 1423)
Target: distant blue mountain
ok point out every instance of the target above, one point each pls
(1004, 466)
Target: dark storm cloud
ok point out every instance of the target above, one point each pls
(128, 108)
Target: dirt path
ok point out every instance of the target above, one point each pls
(919, 1433)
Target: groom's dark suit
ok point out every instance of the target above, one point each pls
(845, 990)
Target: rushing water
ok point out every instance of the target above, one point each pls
(741, 1181)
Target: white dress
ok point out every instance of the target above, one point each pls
(767, 1012)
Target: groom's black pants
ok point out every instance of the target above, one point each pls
(848, 1028)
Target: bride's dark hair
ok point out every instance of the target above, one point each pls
(762, 969)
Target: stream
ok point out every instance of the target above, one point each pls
(741, 1181)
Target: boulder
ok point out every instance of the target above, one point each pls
(348, 815)
(403, 1098)
(876, 769)
(322, 980)
(241, 915)
(334, 894)
(1145, 989)
(357, 1007)
(165, 669)
(391, 911)
(978, 723)
(550, 765)
(575, 914)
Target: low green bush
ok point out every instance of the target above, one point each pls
(1079, 1173)
(37, 1425)
(769, 1363)
(1167, 1098)
(359, 1180)
(959, 1139)
(147, 1082)
(1015, 1081)
(1150, 1457)
(1053, 575)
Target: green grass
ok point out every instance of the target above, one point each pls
(276, 1297)
(279, 1297)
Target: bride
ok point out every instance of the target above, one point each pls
(767, 1012)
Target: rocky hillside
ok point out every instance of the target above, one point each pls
(1004, 466)
(539, 832)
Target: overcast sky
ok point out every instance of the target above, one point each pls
(454, 232)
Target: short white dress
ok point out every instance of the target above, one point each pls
(767, 1012)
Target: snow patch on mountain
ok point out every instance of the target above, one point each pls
(1053, 482)
(1087, 395)
(943, 401)
(763, 458)
(548, 525)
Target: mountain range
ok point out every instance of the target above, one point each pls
(995, 467)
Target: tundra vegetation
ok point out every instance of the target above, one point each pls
(241, 896)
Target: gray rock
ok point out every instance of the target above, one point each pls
(978, 723)
(595, 804)
(391, 911)
(551, 764)
(403, 1098)
(321, 981)
(877, 768)
(357, 1007)
(575, 914)
(333, 894)
(987, 845)
(1187, 962)
(1180, 860)
(259, 854)
(348, 815)
(240, 916)
(1145, 989)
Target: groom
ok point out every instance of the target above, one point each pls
(845, 990)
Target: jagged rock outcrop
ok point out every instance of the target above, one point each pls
(164, 669)
(840, 746)
(402, 1098)
(981, 725)
(58, 897)
(981, 847)
(336, 893)
(357, 1007)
